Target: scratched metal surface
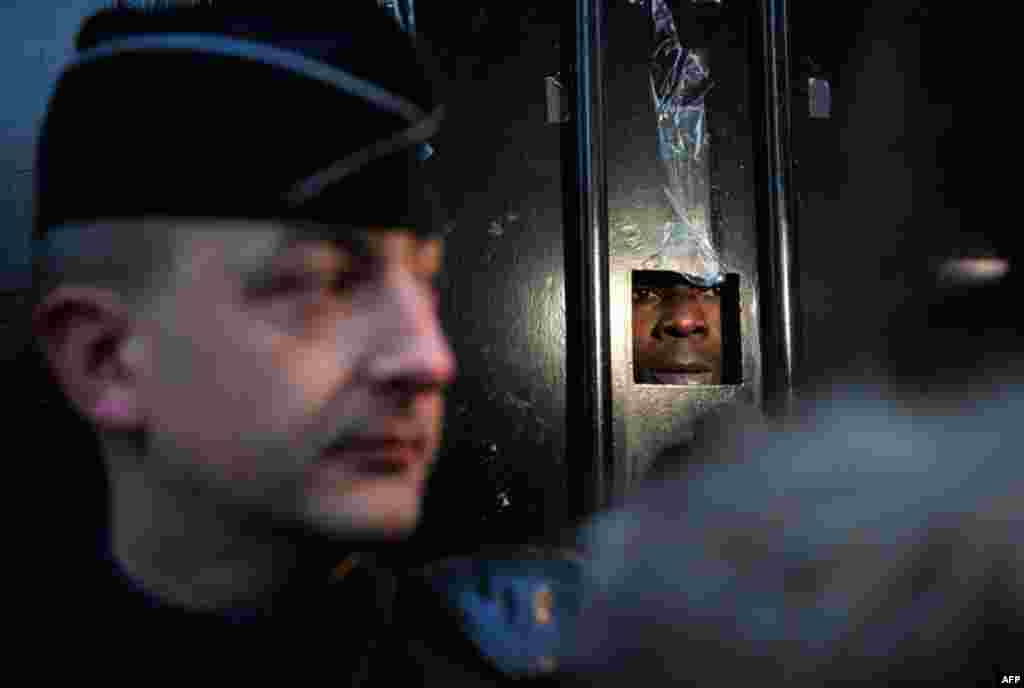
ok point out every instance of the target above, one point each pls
(649, 418)
(501, 474)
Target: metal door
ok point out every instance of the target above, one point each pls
(623, 219)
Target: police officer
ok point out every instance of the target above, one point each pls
(236, 263)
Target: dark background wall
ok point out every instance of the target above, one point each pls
(879, 183)
(35, 40)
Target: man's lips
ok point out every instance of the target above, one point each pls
(683, 375)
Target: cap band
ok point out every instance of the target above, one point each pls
(313, 185)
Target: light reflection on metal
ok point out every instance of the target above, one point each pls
(780, 291)
(589, 403)
(975, 271)
(820, 98)
(403, 11)
(557, 99)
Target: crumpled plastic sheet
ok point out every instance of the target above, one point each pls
(682, 249)
(679, 82)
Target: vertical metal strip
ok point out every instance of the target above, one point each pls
(781, 308)
(590, 440)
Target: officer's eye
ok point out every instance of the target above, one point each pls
(304, 284)
(432, 283)
(283, 284)
(341, 282)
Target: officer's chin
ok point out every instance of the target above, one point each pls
(390, 523)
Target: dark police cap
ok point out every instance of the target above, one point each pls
(243, 110)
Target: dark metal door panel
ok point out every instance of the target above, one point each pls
(501, 475)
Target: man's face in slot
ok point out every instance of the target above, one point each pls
(677, 330)
(298, 376)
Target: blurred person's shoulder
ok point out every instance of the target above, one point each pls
(860, 439)
(870, 532)
(506, 611)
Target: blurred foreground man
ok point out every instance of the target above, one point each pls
(236, 255)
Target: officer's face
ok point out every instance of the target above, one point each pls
(677, 332)
(300, 379)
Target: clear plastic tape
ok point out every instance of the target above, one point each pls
(679, 82)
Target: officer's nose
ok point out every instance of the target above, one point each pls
(409, 349)
(683, 316)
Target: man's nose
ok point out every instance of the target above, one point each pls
(684, 317)
(409, 348)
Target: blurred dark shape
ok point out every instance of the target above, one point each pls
(867, 541)
(885, 181)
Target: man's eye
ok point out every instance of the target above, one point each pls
(644, 294)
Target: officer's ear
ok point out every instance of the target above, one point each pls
(86, 335)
